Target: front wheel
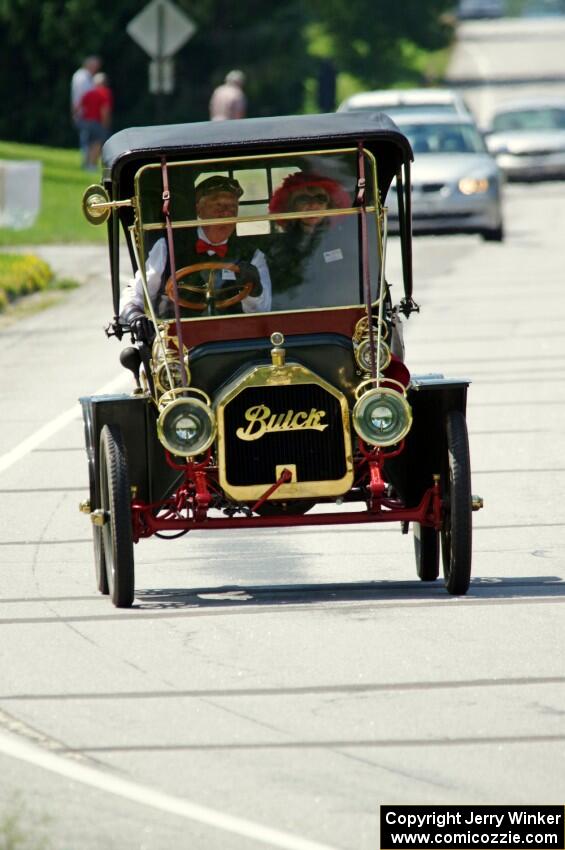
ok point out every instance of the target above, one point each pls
(495, 234)
(456, 532)
(115, 497)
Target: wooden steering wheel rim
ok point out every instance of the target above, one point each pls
(198, 306)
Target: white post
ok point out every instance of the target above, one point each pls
(20, 193)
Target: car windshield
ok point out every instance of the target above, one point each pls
(400, 108)
(292, 217)
(550, 118)
(403, 108)
(443, 138)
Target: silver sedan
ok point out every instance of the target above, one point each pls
(527, 137)
(398, 101)
(456, 183)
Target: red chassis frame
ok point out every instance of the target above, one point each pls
(187, 508)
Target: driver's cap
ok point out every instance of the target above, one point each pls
(218, 183)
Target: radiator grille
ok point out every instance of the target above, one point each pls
(317, 455)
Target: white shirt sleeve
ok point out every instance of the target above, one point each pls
(262, 303)
(132, 295)
(81, 83)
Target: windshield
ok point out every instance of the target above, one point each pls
(530, 119)
(444, 138)
(285, 224)
(402, 108)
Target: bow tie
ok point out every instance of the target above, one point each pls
(203, 247)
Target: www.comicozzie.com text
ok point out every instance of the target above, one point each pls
(442, 819)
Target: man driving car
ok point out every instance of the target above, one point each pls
(216, 197)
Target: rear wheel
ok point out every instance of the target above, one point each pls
(456, 532)
(100, 561)
(116, 503)
(426, 549)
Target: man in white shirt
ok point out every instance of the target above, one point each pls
(216, 197)
(81, 82)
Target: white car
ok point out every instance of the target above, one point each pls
(527, 137)
(456, 183)
(397, 101)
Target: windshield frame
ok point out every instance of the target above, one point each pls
(152, 166)
(374, 210)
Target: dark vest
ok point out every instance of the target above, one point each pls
(239, 250)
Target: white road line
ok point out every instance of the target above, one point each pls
(57, 424)
(127, 789)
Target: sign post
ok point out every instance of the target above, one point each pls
(161, 29)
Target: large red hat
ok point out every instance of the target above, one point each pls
(281, 199)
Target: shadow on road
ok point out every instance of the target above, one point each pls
(483, 590)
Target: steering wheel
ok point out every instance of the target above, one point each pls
(242, 289)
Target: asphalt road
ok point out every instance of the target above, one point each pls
(500, 60)
(273, 689)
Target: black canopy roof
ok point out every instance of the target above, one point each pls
(129, 149)
(126, 151)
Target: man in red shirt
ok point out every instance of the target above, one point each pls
(96, 110)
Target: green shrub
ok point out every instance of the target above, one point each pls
(22, 274)
(21, 828)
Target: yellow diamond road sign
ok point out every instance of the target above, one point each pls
(161, 28)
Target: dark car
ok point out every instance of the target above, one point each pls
(259, 395)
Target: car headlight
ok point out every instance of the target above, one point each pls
(186, 427)
(363, 356)
(382, 416)
(171, 367)
(473, 185)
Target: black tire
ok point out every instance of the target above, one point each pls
(426, 549)
(494, 235)
(100, 561)
(115, 496)
(456, 532)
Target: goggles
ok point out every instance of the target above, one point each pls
(309, 198)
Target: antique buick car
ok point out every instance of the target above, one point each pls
(269, 386)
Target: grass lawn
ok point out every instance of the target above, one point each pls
(63, 183)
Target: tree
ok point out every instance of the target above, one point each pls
(46, 40)
(374, 40)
